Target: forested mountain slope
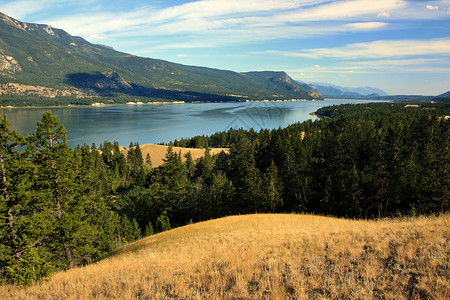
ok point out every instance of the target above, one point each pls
(38, 60)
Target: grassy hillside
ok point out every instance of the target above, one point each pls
(268, 256)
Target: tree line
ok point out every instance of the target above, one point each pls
(63, 207)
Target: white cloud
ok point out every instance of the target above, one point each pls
(27, 8)
(435, 10)
(20, 9)
(367, 25)
(235, 21)
(404, 65)
(384, 15)
(95, 37)
(342, 10)
(215, 23)
(438, 66)
(378, 49)
(212, 8)
(432, 7)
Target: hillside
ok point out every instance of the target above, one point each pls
(268, 256)
(38, 60)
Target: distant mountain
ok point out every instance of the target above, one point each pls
(329, 90)
(414, 98)
(447, 94)
(445, 97)
(41, 61)
(366, 91)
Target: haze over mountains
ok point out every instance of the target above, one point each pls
(38, 60)
(329, 90)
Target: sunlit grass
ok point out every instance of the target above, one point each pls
(268, 256)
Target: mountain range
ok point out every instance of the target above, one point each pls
(42, 62)
(329, 90)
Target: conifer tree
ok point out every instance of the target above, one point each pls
(221, 195)
(163, 222)
(272, 189)
(174, 177)
(58, 192)
(149, 229)
(190, 165)
(22, 259)
(148, 161)
(245, 176)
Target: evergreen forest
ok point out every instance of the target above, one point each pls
(62, 207)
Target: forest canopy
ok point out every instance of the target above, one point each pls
(64, 207)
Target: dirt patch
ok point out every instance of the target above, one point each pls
(158, 152)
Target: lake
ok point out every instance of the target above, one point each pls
(147, 124)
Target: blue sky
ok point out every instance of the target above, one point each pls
(401, 46)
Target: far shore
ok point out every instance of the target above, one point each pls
(138, 103)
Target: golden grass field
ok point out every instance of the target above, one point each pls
(158, 152)
(268, 257)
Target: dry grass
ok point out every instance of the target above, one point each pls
(268, 257)
(158, 152)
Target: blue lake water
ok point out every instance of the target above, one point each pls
(164, 123)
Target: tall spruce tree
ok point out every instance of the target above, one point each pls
(272, 190)
(59, 193)
(245, 176)
(23, 256)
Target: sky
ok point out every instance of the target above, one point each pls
(400, 46)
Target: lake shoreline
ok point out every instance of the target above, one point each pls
(160, 124)
(101, 104)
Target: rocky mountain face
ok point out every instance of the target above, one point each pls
(57, 64)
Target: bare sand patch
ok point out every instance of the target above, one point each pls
(158, 152)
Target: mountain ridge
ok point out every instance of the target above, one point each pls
(329, 90)
(42, 56)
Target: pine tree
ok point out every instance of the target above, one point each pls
(137, 171)
(272, 189)
(246, 177)
(59, 194)
(129, 230)
(163, 222)
(149, 229)
(190, 165)
(148, 161)
(173, 175)
(328, 194)
(17, 236)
